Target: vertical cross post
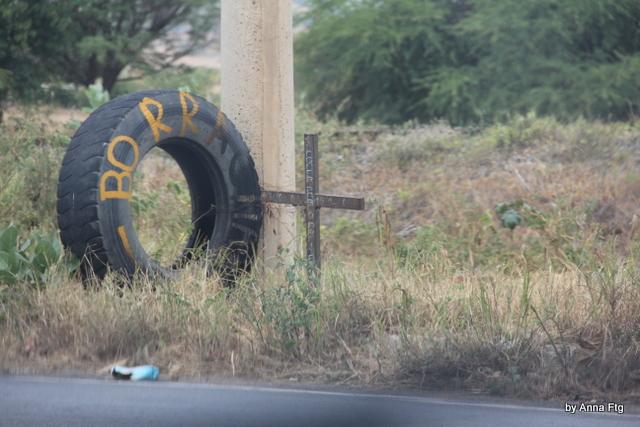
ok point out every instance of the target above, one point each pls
(312, 201)
(312, 208)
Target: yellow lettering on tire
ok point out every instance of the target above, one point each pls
(120, 192)
(112, 158)
(217, 127)
(188, 115)
(154, 122)
(122, 233)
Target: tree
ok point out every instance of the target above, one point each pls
(559, 57)
(79, 41)
(28, 32)
(361, 59)
(105, 36)
(470, 60)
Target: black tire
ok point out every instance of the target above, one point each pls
(94, 187)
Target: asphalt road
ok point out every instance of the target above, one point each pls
(36, 401)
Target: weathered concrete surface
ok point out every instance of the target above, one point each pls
(257, 95)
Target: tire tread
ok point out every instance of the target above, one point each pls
(77, 206)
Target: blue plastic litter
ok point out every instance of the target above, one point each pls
(136, 373)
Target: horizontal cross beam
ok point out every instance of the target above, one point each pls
(321, 200)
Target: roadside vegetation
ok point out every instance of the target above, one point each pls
(497, 144)
(500, 260)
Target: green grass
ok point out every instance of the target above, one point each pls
(424, 289)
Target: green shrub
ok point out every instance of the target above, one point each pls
(470, 61)
(95, 96)
(512, 214)
(292, 311)
(28, 260)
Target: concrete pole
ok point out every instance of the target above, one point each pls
(257, 95)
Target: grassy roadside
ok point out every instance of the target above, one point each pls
(425, 289)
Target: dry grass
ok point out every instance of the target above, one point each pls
(161, 207)
(429, 290)
(546, 334)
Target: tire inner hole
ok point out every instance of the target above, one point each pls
(161, 207)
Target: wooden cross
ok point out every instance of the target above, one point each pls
(312, 200)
